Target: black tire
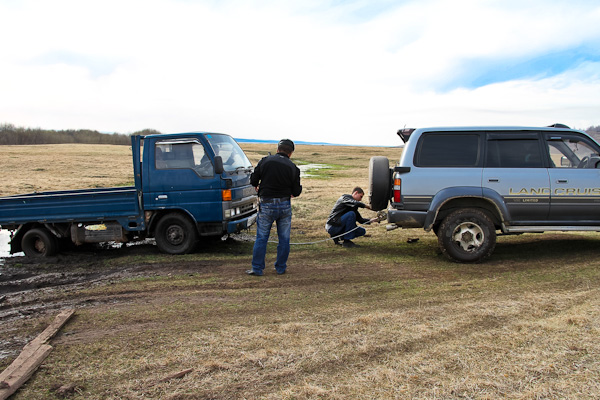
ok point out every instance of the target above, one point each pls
(380, 182)
(39, 242)
(175, 234)
(467, 235)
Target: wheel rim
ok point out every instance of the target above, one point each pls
(468, 236)
(39, 245)
(175, 235)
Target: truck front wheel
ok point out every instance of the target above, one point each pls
(175, 234)
(467, 235)
(39, 242)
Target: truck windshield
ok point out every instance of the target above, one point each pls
(231, 153)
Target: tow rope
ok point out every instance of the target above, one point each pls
(381, 215)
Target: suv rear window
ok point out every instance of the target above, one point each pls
(448, 150)
(514, 152)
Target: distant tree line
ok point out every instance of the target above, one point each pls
(594, 131)
(12, 135)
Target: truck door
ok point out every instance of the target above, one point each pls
(516, 169)
(183, 177)
(574, 178)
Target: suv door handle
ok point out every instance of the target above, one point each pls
(494, 180)
(562, 181)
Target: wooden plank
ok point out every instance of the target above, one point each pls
(23, 372)
(21, 359)
(42, 338)
(53, 328)
(32, 356)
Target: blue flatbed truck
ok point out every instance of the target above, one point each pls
(188, 187)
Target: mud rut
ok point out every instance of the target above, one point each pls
(31, 289)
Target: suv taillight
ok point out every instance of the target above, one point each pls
(397, 189)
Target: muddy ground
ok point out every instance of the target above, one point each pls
(33, 288)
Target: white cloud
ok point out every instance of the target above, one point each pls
(351, 73)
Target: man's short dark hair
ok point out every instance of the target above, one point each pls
(358, 189)
(286, 146)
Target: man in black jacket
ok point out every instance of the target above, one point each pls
(344, 216)
(277, 179)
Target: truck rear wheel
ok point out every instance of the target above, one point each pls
(39, 242)
(467, 235)
(175, 234)
(380, 182)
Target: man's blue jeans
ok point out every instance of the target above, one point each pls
(348, 223)
(280, 212)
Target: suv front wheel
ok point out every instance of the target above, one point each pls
(467, 235)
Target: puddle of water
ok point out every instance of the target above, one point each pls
(306, 168)
(5, 247)
(6, 353)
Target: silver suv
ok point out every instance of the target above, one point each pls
(465, 183)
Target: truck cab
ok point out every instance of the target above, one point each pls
(203, 177)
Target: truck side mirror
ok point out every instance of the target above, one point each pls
(219, 165)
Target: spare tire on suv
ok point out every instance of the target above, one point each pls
(380, 182)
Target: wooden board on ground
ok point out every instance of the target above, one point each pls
(32, 356)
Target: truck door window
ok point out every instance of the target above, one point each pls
(572, 152)
(185, 155)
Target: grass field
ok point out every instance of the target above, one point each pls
(388, 320)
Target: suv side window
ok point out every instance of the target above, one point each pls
(513, 151)
(571, 151)
(448, 150)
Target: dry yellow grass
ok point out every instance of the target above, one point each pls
(64, 166)
(389, 320)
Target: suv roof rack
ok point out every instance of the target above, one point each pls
(559, 126)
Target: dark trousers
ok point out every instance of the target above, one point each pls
(348, 224)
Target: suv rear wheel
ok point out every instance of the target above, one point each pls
(467, 235)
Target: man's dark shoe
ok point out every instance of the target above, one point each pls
(253, 272)
(349, 244)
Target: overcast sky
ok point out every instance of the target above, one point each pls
(350, 72)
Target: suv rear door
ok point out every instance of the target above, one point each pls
(515, 167)
(442, 160)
